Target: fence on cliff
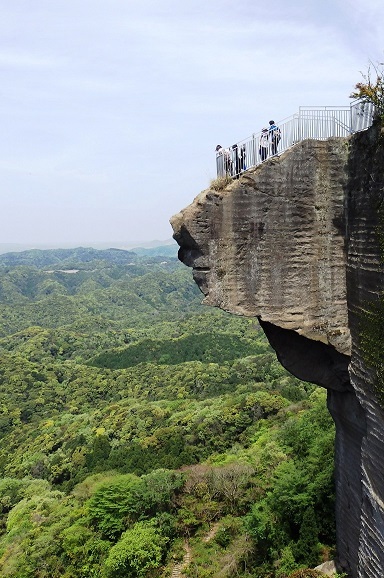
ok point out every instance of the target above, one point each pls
(311, 122)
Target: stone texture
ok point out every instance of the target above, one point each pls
(327, 568)
(272, 244)
(294, 242)
(365, 284)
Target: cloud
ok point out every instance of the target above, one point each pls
(120, 104)
(19, 59)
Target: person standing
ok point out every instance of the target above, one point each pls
(235, 160)
(223, 161)
(264, 144)
(274, 136)
(243, 158)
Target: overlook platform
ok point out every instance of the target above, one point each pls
(311, 122)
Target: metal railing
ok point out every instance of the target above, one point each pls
(311, 122)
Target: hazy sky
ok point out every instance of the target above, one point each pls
(111, 109)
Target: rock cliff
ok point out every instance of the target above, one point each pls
(298, 243)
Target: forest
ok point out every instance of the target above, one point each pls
(145, 435)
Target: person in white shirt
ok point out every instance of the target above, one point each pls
(264, 144)
(223, 160)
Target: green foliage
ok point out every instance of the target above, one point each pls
(119, 503)
(286, 564)
(113, 506)
(163, 251)
(11, 492)
(230, 527)
(139, 550)
(83, 551)
(297, 508)
(106, 471)
(68, 258)
(307, 548)
(306, 573)
(372, 89)
(207, 348)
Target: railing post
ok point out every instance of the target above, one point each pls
(299, 131)
(253, 150)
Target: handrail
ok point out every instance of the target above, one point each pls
(311, 122)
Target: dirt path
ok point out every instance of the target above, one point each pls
(212, 532)
(177, 571)
(178, 568)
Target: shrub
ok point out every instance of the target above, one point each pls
(122, 500)
(220, 183)
(372, 90)
(139, 550)
(306, 573)
(287, 563)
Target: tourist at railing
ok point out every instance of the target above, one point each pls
(235, 161)
(243, 158)
(274, 136)
(223, 161)
(320, 122)
(264, 144)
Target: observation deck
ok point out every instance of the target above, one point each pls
(311, 122)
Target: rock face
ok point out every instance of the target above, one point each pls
(365, 297)
(296, 243)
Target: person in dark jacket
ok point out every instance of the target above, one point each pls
(274, 136)
(235, 160)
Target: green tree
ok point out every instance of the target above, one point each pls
(113, 505)
(286, 564)
(372, 88)
(126, 498)
(139, 550)
(307, 548)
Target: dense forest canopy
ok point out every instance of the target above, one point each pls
(144, 434)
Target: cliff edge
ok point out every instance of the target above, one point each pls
(298, 242)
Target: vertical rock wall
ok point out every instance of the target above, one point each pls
(283, 243)
(365, 284)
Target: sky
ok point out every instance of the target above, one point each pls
(111, 110)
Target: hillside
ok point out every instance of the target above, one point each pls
(134, 420)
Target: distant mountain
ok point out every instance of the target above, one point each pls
(165, 251)
(66, 257)
(150, 244)
(126, 245)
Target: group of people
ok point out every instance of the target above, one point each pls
(232, 161)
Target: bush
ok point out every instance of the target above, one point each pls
(220, 183)
(306, 573)
(286, 563)
(122, 500)
(139, 550)
(370, 90)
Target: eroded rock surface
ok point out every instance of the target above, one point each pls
(272, 244)
(365, 296)
(294, 243)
